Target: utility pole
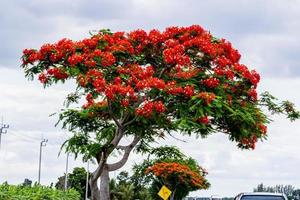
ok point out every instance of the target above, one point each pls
(42, 144)
(3, 129)
(87, 181)
(66, 175)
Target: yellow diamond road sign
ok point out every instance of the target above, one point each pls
(164, 192)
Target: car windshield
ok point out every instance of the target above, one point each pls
(262, 197)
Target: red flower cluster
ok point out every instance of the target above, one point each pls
(188, 91)
(58, 73)
(75, 59)
(125, 91)
(107, 59)
(207, 97)
(183, 174)
(184, 72)
(249, 142)
(204, 120)
(30, 56)
(252, 76)
(252, 94)
(151, 83)
(173, 89)
(43, 78)
(90, 101)
(211, 82)
(224, 72)
(263, 128)
(176, 55)
(149, 107)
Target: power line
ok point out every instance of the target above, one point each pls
(3, 129)
(24, 137)
(32, 139)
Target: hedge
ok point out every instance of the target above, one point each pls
(13, 192)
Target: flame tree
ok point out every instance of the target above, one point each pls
(143, 85)
(168, 166)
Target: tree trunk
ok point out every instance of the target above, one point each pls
(103, 170)
(104, 185)
(95, 193)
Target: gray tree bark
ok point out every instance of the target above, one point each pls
(95, 192)
(103, 170)
(104, 185)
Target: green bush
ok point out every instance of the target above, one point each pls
(13, 192)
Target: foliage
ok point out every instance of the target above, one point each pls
(296, 194)
(76, 181)
(123, 189)
(172, 168)
(12, 192)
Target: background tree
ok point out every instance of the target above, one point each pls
(168, 166)
(123, 188)
(27, 182)
(76, 180)
(296, 194)
(144, 85)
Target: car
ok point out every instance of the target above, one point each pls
(260, 196)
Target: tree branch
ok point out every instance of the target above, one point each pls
(112, 115)
(127, 149)
(97, 173)
(130, 122)
(118, 137)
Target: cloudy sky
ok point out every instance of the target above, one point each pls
(265, 32)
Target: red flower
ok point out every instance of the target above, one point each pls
(57, 73)
(263, 128)
(149, 106)
(81, 80)
(43, 78)
(208, 97)
(204, 120)
(188, 91)
(75, 59)
(252, 94)
(211, 82)
(125, 102)
(90, 101)
(107, 59)
(99, 84)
